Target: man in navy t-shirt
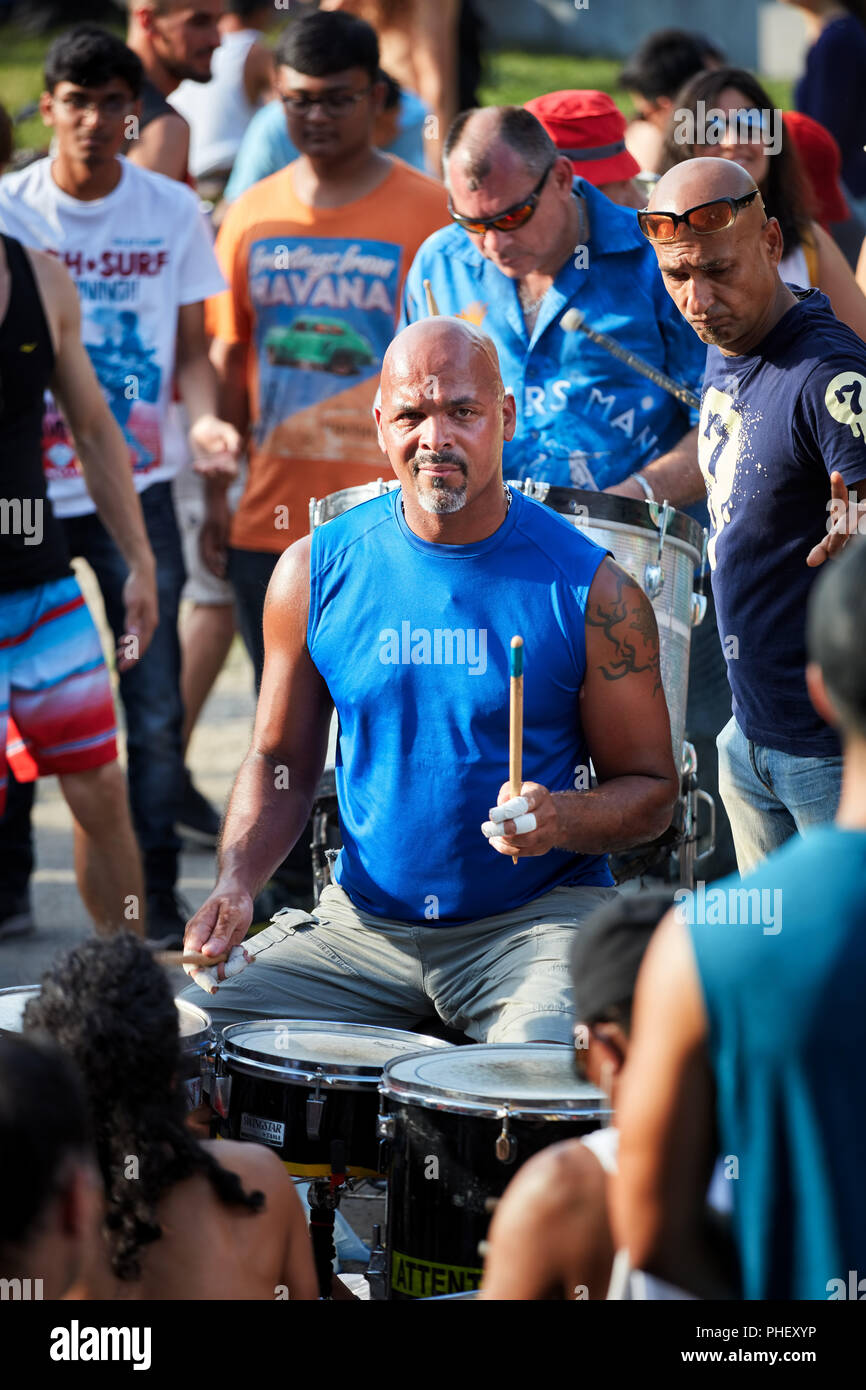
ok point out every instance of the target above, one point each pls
(782, 447)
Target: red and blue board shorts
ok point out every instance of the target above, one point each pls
(56, 706)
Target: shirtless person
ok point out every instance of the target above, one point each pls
(196, 1220)
(550, 1237)
(400, 614)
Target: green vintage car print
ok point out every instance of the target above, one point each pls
(327, 345)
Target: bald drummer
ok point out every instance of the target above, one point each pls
(400, 613)
(782, 448)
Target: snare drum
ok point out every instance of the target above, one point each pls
(196, 1050)
(299, 1085)
(457, 1125)
(660, 549)
(194, 1026)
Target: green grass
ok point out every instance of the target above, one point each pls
(512, 78)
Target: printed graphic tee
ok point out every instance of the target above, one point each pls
(775, 423)
(314, 294)
(136, 256)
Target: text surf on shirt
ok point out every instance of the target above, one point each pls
(112, 285)
(325, 309)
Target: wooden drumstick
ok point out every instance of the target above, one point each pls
(432, 306)
(515, 721)
(171, 958)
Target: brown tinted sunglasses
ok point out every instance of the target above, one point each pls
(703, 219)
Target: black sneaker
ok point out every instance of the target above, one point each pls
(167, 916)
(16, 914)
(197, 821)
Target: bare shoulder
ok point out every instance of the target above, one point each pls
(257, 1167)
(287, 603)
(552, 1182)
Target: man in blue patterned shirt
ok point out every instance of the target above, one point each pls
(530, 241)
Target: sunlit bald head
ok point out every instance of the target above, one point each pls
(697, 181)
(438, 345)
(444, 413)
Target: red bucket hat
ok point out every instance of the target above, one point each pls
(822, 160)
(590, 128)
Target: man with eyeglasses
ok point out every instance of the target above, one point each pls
(141, 256)
(782, 448)
(528, 241)
(315, 257)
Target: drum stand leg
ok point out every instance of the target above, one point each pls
(324, 1198)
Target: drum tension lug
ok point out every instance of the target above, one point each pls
(506, 1144)
(315, 1106)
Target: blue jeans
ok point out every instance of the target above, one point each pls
(249, 573)
(150, 691)
(770, 796)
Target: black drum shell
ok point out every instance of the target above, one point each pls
(435, 1223)
(349, 1114)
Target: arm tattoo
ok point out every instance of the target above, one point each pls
(629, 612)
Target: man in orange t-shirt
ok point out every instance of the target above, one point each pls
(315, 257)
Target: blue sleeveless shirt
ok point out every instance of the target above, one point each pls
(782, 968)
(412, 639)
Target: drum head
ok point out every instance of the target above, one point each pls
(194, 1024)
(487, 1078)
(305, 1048)
(13, 1002)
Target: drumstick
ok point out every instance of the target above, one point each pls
(190, 958)
(573, 321)
(432, 306)
(515, 721)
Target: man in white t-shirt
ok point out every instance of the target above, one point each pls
(138, 248)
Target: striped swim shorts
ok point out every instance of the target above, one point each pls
(56, 706)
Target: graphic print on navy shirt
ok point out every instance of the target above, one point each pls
(775, 423)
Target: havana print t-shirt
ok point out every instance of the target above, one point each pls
(314, 293)
(136, 256)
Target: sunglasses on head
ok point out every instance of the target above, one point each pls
(508, 221)
(703, 219)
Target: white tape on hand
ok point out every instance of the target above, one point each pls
(208, 978)
(509, 810)
(522, 826)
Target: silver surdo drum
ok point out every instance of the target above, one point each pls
(324, 509)
(455, 1126)
(300, 1086)
(194, 1025)
(661, 548)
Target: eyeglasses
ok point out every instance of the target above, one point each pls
(77, 103)
(332, 103)
(703, 219)
(508, 221)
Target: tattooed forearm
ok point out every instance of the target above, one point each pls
(629, 613)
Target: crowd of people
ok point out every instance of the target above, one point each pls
(254, 268)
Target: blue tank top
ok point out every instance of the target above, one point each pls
(787, 1040)
(412, 639)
